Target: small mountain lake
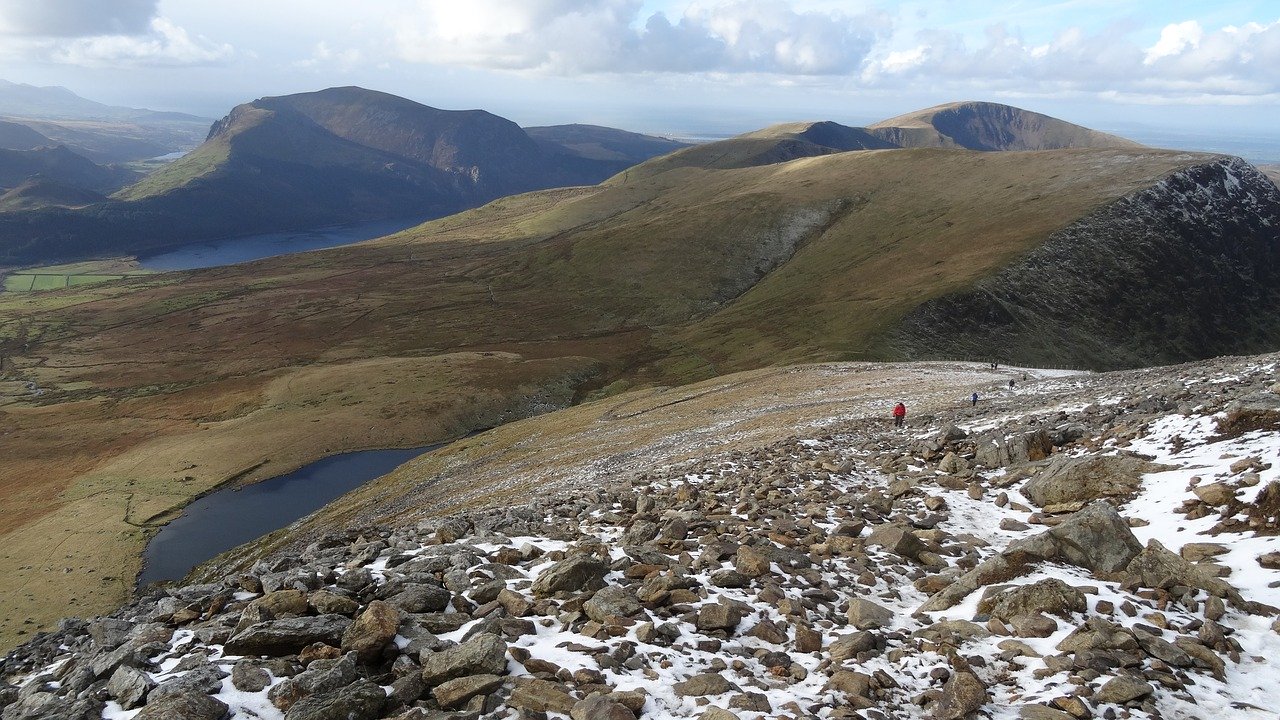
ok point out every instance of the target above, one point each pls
(233, 516)
(255, 247)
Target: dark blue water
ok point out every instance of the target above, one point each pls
(255, 247)
(226, 518)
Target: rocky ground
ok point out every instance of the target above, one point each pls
(1073, 547)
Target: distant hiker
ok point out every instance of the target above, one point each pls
(1011, 383)
(899, 414)
(1024, 377)
(974, 400)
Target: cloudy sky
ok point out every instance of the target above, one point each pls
(677, 66)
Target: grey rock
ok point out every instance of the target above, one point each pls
(288, 636)
(1051, 596)
(455, 692)
(1122, 689)
(362, 700)
(249, 677)
(483, 654)
(702, 685)
(129, 686)
(600, 707)
(612, 600)
(962, 695)
(418, 598)
(866, 615)
(1073, 479)
(575, 574)
(184, 706)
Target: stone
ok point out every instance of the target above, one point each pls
(420, 598)
(718, 616)
(288, 636)
(453, 693)
(514, 603)
(205, 678)
(1158, 567)
(361, 700)
(847, 647)
(702, 685)
(1070, 479)
(897, 540)
(327, 602)
(962, 695)
(323, 676)
(1122, 689)
(185, 706)
(371, 632)
(129, 686)
(1215, 494)
(866, 615)
(715, 713)
(851, 682)
(537, 695)
(751, 562)
(1051, 596)
(481, 655)
(611, 601)
(578, 573)
(600, 707)
(248, 677)
(1041, 712)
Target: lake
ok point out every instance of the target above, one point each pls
(233, 516)
(255, 247)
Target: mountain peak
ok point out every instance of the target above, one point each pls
(980, 125)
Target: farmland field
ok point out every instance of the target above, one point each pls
(56, 277)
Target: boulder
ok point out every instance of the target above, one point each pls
(716, 616)
(371, 632)
(866, 615)
(1051, 596)
(702, 685)
(611, 601)
(1158, 567)
(962, 695)
(288, 636)
(540, 696)
(453, 693)
(600, 707)
(418, 598)
(1084, 479)
(1122, 689)
(751, 562)
(483, 654)
(579, 573)
(897, 540)
(184, 706)
(361, 700)
(129, 686)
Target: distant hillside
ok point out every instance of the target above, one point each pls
(60, 165)
(309, 160)
(40, 192)
(59, 103)
(602, 143)
(14, 136)
(1271, 171)
(990, 126)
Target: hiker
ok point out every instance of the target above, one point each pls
(899, 414)
(1011, 383)
(974, 400)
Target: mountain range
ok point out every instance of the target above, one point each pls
(793, 244)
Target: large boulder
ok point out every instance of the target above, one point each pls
(361, 700)
(371, 632)
(1051, 596)
(962, 695)
(1084, 479)
(483, 654)
(996, 450)
(579, 573)
(611, 601)
(288, 636)
(187, 706)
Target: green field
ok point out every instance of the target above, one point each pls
(57, 277)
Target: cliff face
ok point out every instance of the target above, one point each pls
(1188, 268)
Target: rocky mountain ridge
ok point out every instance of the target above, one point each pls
(1072, 546)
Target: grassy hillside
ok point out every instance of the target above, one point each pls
(990, 126)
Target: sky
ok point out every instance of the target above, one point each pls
(678, 67)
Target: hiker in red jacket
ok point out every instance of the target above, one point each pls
(899, 414)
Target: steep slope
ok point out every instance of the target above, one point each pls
(990, 126)
(602, 143)
(54, 102)
(58, 164)
(308, 160)
(15, 136)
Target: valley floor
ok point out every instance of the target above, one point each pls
(796, 557)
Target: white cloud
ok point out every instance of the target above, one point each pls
(1186, 61)
(165, 45)
(323, 55)
(1175, 39)
(76, 18)
(604, 36)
